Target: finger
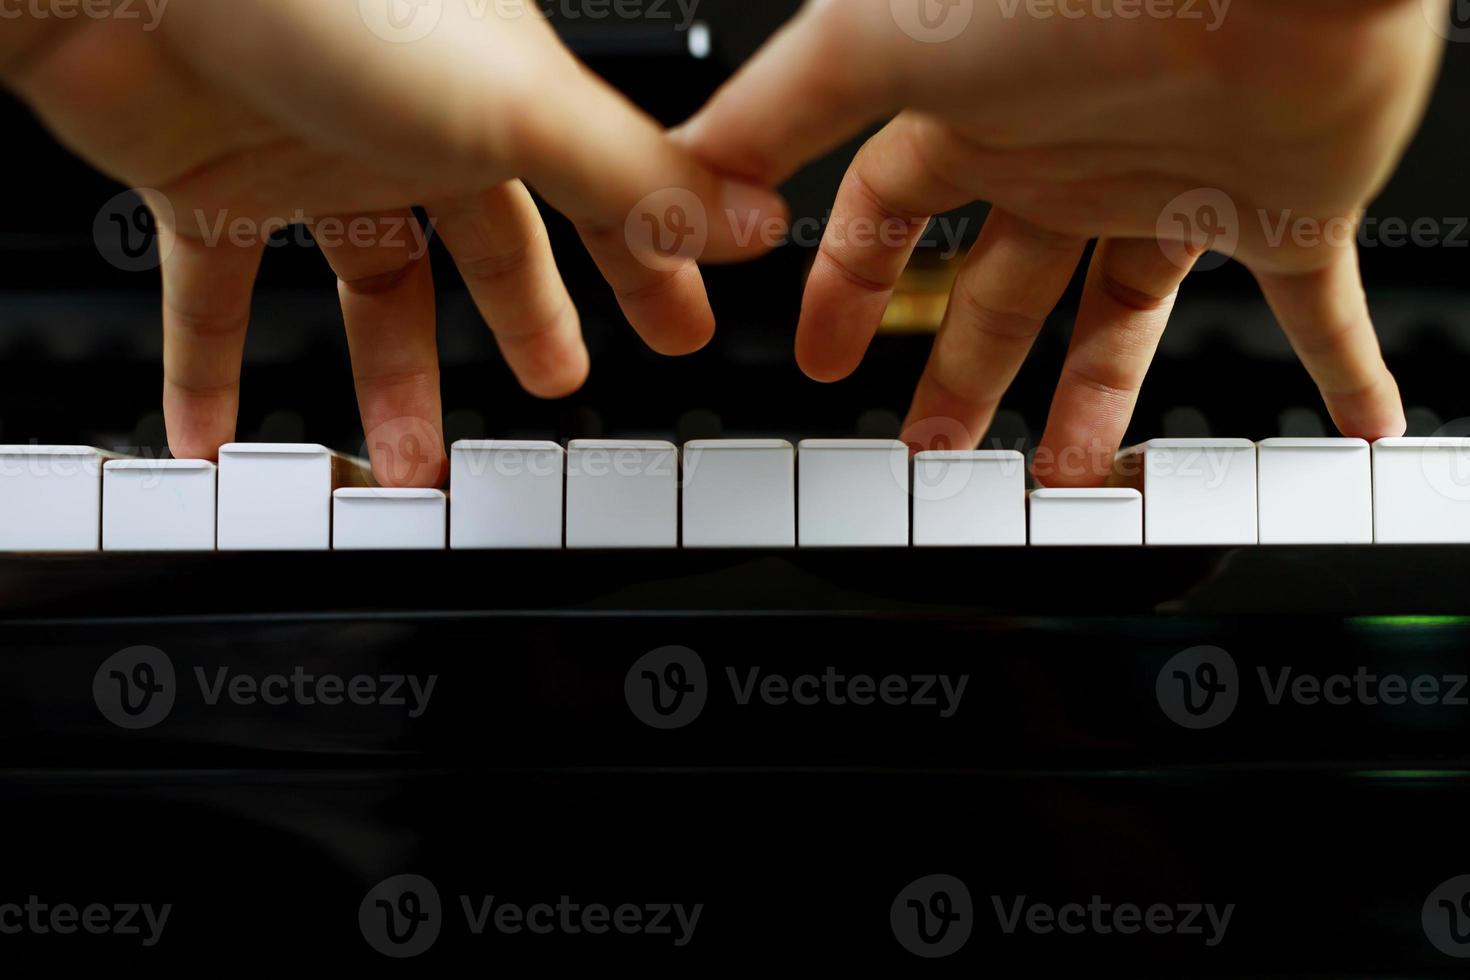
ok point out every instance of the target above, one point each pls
(1008, 286)
(206, 310)
(1325, 315)
(821, 80)
(881, 211)
(1130, 292)
(500, 245)
(646, 211)
(387, 293)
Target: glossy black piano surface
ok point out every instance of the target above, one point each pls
(836, 726)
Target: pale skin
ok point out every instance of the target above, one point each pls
(1081, 129)
(235, 112)
(1073, 128)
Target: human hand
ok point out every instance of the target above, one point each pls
(1247, 130)
(248, 117)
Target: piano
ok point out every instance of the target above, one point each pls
(699, 673)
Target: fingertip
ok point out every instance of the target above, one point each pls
(408, 452)
(682, 339)
(554, 369)
(820, 355)
(197, 425)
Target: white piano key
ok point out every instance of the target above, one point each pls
(1421, 491)
(969, 498)
(1086, 517)
(739, 493)
(1196, 491)
(1315, 491)
(622, 494)
(506, 494)
(158, 505)
(852, 493)
(278, 496)
(384, 519)
(50, 498)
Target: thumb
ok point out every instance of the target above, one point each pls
(821, 80)
(609, 167)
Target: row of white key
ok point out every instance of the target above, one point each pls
(599, 494)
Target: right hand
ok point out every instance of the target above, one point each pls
(1077, 128)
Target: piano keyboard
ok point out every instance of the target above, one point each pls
(600, 494)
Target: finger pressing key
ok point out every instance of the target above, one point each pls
(1130, 292)
(206, 310)
(387, 293)
(1325, 316)
(1009, 285)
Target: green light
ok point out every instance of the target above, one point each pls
(1410, 622)
(1412, 774)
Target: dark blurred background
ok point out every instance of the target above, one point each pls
(79, 338)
